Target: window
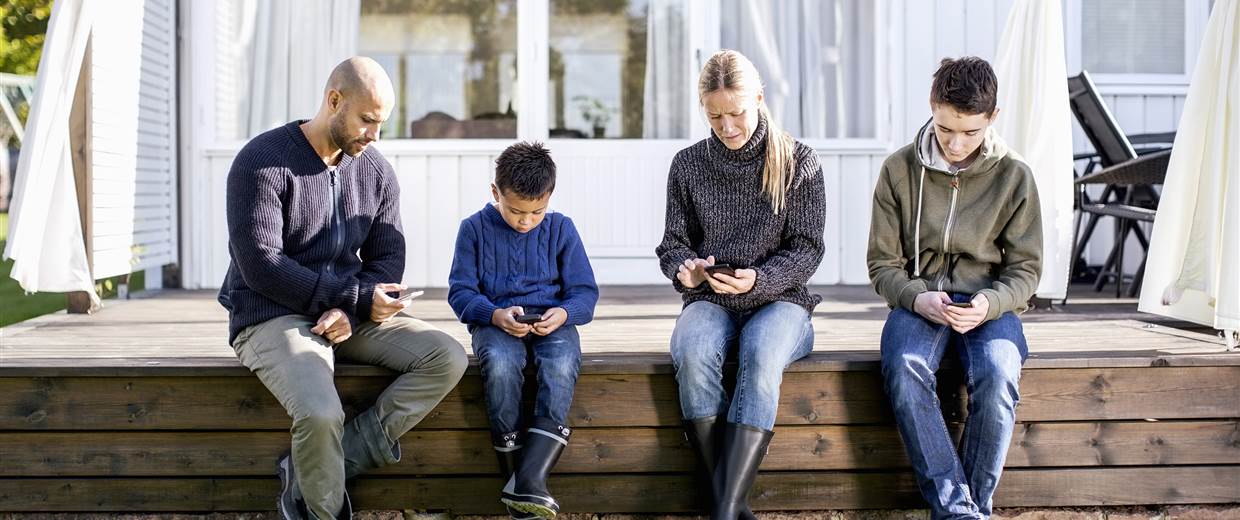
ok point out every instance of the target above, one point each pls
(618, 68)
(1133, 36)
(817, 59)
(453, 63)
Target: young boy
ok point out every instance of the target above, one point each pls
(956, 250)
(522, 283)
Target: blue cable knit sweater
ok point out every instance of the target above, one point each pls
(496, 267)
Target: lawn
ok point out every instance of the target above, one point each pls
(15, 304)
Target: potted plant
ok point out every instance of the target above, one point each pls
(596, 112)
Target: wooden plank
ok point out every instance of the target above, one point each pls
(636, 493)
(855, 397)
(609, 450)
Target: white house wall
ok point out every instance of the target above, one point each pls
(614, 190)
(132, 137)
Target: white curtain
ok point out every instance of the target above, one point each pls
(1191, 270)
(284, 51)
(816, 58)
(665, 105)
(45, 230)
(1035, 120)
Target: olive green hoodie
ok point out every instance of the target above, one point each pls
(974, 231)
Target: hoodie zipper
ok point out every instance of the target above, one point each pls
(336, 234)
(947, 229)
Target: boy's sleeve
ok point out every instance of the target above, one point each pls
(580, 293)
(464, 289)
(885, 256)
(1021, 240)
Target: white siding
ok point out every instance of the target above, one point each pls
(133, 138)
(614, 190)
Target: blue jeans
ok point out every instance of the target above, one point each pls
(956, 485)
(766, 339)
(502, 358)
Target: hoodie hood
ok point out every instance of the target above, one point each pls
(931, 158)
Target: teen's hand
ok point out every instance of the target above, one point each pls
(693, 271)
(553, 319)
(965, 319)
(739, 284)
(931, 305)
(506, 319)
(334, 326)
(382, 306)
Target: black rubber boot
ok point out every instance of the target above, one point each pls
(741, 454)
(508, 451)
(527, 490)
(704, 435)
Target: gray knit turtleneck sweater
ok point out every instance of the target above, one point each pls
(715, 206)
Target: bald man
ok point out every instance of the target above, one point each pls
(317, 254)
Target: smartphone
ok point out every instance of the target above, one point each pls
(721, 268)
(966, 305)
(529, 319)
(409, 295)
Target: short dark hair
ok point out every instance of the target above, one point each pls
(526, 170)
(968, 84)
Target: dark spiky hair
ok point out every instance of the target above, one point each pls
(526, 170)
(968, 84)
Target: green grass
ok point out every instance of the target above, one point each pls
(15, 304)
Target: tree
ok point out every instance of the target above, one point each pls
(23, 23)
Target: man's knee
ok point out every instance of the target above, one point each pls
(320, 418)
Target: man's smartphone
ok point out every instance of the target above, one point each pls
(409, 295)
(721, 268)
(964, 305)
(529, 319)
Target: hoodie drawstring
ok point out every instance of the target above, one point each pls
(921, 190)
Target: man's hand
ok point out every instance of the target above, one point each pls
(931, 305)
(739, 284)
(553, 319)
(506, 319)
(965, 319)
(382, 306)
(334, 326)
(693, 271)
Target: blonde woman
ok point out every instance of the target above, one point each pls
(745, 211)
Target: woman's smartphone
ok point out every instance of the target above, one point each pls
(529, 319)
(721, 268)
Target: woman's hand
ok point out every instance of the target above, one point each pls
(739, 284)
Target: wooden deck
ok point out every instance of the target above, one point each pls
(143, 407)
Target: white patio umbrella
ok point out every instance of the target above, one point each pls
(45, 231)
(1035, 120)
(1191, 269)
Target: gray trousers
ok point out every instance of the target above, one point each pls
(297, 366)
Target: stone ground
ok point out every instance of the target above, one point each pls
(1213, 512)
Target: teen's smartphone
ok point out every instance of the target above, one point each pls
(966, 305)
(721, 268)
(409, 295)
(529, 319)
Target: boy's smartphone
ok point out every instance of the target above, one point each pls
(408, 295)
(529, 319)
(965, 305)
(721, 268)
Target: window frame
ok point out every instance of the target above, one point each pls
(1196, 15)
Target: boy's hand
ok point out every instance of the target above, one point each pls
(739, 284)
(506, 319)
(965, 319)
(382, 306)
(553, 319)
(692, 272)
(334, 326)
(931, 305)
